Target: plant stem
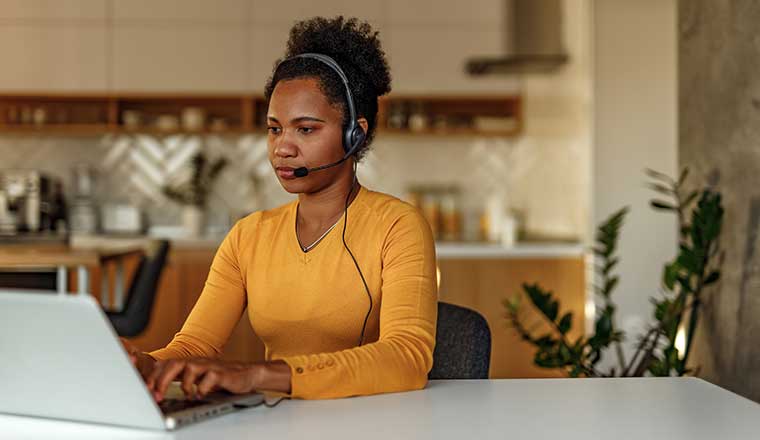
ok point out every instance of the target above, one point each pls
(640, 347)
(620, 356)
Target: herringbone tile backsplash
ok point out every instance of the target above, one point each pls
(546, 181)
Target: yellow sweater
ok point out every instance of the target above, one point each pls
(308, 308)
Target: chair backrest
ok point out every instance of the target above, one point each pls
(133, 319)
(462, 344)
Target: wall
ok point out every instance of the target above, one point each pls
(159, 45)
(635, 126)
(719, 56)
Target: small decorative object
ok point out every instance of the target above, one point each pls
(664, 348)
(167, 123)
(193, 118)
(218, 125)
(39, 115)
(418, 120)
(193, 194)
(132, 119)
(397, 118)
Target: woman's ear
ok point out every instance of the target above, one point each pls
(363, 124)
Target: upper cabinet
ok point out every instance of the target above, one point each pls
(53, 10)
(179, 58)
(429, 41)
(180, 46)
(230, 46)
(53, 45)
(66, 57)
(181, 11)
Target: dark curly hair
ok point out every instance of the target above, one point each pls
(356, 48)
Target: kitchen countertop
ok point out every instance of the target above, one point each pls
(467, 250)
(444, 250)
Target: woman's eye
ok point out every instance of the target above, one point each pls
(306, 130)
(274, 130)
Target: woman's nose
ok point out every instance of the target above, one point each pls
(284, 146)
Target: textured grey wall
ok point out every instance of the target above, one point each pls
(719, 138)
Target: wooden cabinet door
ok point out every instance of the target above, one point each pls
(482, 285)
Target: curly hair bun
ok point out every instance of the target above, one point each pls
(350, 42)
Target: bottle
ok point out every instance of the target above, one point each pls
(431, 212)
(451, 217)
(508, 235)
(418, 120)
(493, 215)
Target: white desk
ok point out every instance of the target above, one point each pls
(635, 409)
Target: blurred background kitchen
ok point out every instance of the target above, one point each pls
(516, 126)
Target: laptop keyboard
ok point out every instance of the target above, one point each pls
(169, 406)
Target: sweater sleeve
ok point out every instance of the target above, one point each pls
(403, 355)
(218, 309)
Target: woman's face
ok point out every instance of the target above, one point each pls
(304, 130)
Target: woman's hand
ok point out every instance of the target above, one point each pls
(143, 362)
(200, 376)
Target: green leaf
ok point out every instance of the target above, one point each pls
(660, 188)
(682, 177)
(609, 265)
(670, 274)
(659, 204)
(552, 310)
(603, 328)
(689, 260)
(565, 323)
(513, 304)
(609, 285)
(545, 341)
(658, 175)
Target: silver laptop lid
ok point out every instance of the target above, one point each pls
(62, 360)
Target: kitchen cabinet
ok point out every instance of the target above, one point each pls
(68, 10)
(446, 12)
(179, 58)
(60, 58)
(290, 11)
(181, 11)
(231, 45)
(482, 284)
(445, 50)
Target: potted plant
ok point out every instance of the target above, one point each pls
(193, 194)
(677, 307)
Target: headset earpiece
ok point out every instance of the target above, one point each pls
(354, 139)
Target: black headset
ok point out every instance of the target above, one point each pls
(353, 138)
(353, 134)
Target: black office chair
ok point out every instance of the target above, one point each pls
(462, 344)
(134, 317)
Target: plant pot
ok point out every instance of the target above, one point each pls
(193, 220)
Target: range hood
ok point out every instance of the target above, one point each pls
(532, 40)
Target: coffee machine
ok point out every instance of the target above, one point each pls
(31, 202)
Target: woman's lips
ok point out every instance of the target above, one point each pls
(285, 173)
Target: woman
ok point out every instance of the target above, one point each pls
(340, 283)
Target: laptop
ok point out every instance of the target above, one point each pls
(61, 359)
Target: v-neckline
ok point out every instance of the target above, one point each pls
(329, 234)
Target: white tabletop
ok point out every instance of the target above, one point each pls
(468, 410)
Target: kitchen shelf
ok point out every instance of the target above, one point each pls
(167, 114)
